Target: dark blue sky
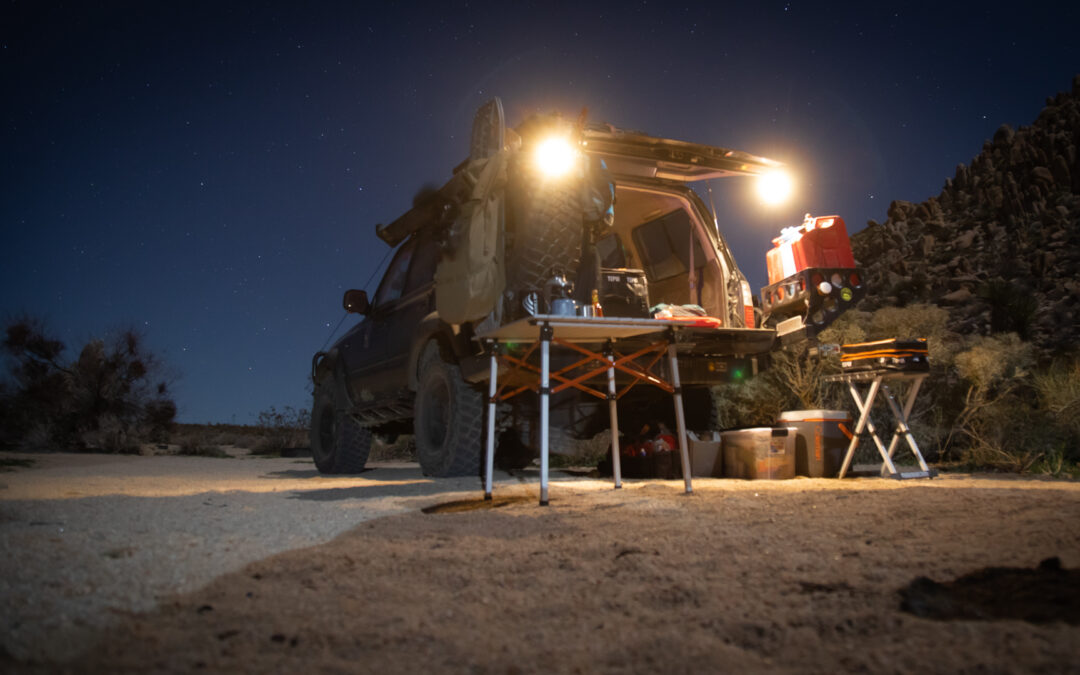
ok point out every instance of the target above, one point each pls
(212, 174)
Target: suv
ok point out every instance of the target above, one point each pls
(498, 242)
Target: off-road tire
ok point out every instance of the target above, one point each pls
(546, 224)
(338, 443)
(448, 422)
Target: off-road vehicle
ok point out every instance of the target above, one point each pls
(552, 215)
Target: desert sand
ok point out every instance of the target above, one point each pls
(804, 575)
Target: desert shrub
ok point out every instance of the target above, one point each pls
(278, 430)
(1058, 391)
(753, 402)
(198, 448)
(1003, 427)
(112, 397)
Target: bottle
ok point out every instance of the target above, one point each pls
(597, 309)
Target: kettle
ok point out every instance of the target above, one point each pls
(557, 296)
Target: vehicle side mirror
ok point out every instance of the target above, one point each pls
(356, 302)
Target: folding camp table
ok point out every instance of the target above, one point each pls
(576, 334)
(878, 381)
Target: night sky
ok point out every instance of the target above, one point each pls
(212, 174)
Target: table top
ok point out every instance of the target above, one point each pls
(629, 332)
(577, 328)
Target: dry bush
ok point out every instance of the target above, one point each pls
(196, 448)
(754, 402)
(113, 397)
(1058, 389)
(277, 431)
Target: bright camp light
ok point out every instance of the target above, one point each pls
(775, 187)
(555, 156)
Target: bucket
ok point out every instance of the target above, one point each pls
(706, 459)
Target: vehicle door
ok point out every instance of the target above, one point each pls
(412, 305)
(364, 351)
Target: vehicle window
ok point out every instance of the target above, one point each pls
(422, 271)
(664, 244)
(612, 253)
(394, 280)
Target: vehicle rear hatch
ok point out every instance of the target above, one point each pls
(632, 153)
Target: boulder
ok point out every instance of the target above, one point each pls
(957, 297)
(1043, 174)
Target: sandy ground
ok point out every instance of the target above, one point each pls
(778, 576)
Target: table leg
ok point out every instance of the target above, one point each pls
(865, 424)
(545, 393)
(680, 420)
(489, 455)
(865, 407)
(902, 428)
(909, 403)
(616, 461)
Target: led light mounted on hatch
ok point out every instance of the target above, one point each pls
(555, 156)
(775, 187)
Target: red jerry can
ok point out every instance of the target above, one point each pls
(818, 242)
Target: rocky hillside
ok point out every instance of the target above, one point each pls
(1000, 246)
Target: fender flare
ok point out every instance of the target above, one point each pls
(453, 347)
(326, 365)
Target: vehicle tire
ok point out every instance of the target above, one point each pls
(338, 443)
(546, 222)
(448, 422)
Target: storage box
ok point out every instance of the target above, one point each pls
(624, 292)
(821, 439)
(818, 242)
(706, 459)
(894, 354)
(761, 452)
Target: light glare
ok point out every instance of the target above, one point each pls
(774, 187)
(555, 156)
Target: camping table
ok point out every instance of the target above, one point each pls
(878, 381)
(574, 333)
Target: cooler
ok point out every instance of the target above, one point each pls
(761, 452)
(821, 439)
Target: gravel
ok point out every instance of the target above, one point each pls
(87, 538)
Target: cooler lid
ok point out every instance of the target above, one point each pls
(809, 415)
